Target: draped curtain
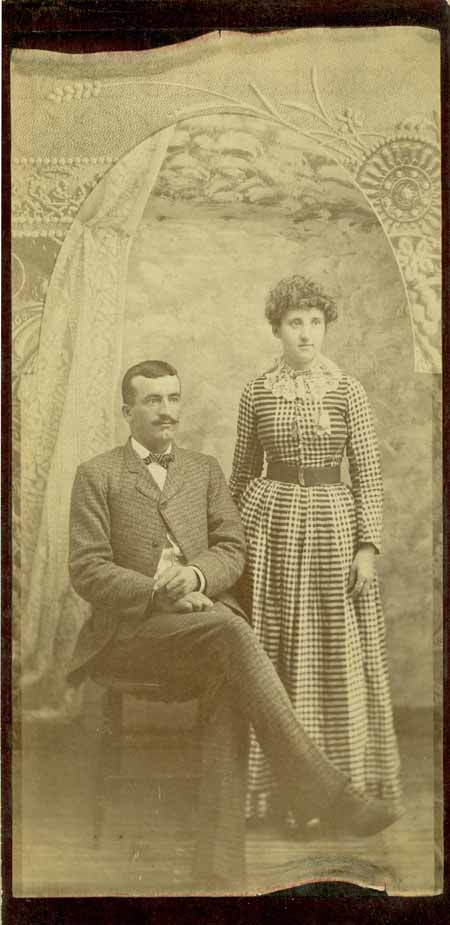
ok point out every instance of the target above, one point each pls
(67, 412)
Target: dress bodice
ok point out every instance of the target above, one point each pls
(289, 431)
(310, 421)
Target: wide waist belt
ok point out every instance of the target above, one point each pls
(317, 475)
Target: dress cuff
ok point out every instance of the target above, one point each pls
(366, 542)
(201, 579)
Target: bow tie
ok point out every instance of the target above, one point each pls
(163, 459)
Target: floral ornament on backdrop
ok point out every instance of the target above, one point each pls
(398, 173)
(32, 264)
(47, 193)
(420, 261)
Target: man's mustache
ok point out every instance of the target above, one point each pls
(166, 420)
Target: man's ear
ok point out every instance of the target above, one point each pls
(126, 412)
(275, 331)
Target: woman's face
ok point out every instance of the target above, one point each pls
(301, 331)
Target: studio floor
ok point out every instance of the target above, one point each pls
(147, 836)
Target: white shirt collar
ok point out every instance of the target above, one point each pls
(142, 451)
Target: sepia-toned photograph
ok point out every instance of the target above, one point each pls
(227, 509)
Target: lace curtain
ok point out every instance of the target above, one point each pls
(67, 410)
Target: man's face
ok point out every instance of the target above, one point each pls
(154, 414)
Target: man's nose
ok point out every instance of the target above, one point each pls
(164, 406)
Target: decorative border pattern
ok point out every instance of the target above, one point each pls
(48, 192)
(397, 172)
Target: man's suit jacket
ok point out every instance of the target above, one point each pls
(118, 528)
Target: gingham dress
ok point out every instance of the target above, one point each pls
(328, 648)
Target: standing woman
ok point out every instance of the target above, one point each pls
(312, 545)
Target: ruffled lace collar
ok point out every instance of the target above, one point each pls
(311, 384)
(315, 382)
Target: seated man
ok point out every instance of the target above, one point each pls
(156, 545)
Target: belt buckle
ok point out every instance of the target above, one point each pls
(300, 476)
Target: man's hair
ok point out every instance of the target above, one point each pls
(151, 369)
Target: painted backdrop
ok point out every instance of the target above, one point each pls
(131, 242)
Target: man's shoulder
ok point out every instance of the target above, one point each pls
(195, 458)
(187, 455)
(104, 462)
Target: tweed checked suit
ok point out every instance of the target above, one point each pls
(119, 522)
(118, 526)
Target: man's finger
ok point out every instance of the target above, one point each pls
(183, 606)
(170, 584)
(176, 582)
(173, 593)
(168, 575)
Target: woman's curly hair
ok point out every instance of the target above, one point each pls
(297, 292)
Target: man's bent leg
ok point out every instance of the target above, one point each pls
(312, 784)
(181, 649)
(188, 650)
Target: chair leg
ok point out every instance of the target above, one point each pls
(113, 727)
(109, 757)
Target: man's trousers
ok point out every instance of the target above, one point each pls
(214, 656)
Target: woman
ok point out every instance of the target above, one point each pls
(312, 546)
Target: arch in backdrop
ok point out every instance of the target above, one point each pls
(222, 162)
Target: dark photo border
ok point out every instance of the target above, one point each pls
(81, 26)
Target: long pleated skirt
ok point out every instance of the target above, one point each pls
(328, 649)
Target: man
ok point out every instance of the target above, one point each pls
(156, 545)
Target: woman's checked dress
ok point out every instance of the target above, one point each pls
(328, 648)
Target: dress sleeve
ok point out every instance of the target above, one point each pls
(248, 453)
(364, 464)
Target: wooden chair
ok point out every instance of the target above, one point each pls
(112, 739)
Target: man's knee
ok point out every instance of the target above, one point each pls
(232, 628)
(221, 615)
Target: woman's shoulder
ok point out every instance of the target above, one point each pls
(261, 377)
(353, 387)
(256, 383)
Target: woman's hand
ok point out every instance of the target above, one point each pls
(362, 571)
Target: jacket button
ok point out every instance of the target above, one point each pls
(155, 543)
(163, 503)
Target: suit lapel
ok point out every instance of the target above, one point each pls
(145, 482)
(175, 474)
(176, 515)
(178, 473)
